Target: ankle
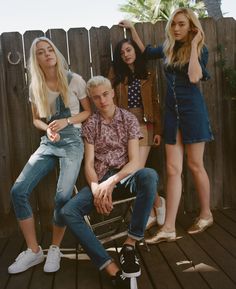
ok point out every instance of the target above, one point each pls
(205, 215)
(112, 269)
(168, 229)
(34, 248)
(130, 242)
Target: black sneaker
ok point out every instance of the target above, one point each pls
(129, 262)
(122, 282)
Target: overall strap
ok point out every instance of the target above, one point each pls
(59, 100)
(60, 106)
(69, 76)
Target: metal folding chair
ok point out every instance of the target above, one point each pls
(114, 226)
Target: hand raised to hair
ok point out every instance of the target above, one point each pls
(197, 37)
(126, 24)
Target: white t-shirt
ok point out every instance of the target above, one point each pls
(77, 91)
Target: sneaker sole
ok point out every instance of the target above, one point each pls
(51, 271)
(130, 275)
(162, 240)
(26, 268)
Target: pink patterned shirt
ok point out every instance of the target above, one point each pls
(110, 140)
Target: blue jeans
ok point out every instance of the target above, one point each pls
(69, 152)
(143, 184)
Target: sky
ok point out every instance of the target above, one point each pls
(22, 15)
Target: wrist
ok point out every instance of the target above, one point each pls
(69, 121)
(113, 180)
(194, 44)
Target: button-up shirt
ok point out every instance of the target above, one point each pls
(110, 140)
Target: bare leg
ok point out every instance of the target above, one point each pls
(28, 229)
(57, 235)
(195, 163)
(112, 269)
(174, 163)
(130, 241)
(143, 155)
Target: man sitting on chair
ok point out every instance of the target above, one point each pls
(111, 138)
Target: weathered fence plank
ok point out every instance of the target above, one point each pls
(58, 37)
(79, 52)
(5, 156)
(226, 35)
(100, 50)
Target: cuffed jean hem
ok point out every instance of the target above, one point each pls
(58, 225)
(137, 238)
(25, 218)
(106, 264)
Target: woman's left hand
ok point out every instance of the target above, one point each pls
(157, 140)
(58, 124)
(197, 37)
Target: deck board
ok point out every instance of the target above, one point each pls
(205, 261)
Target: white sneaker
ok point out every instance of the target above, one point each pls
(25, 260)
(161, 212)
(152, 221)
(52, 263)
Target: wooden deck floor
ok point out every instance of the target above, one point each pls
(203, 261)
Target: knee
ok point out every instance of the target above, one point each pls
(148, 180)
(173, 169)
(195, 166)
(16, 192)
(148, 174)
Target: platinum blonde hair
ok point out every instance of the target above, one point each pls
(38, 85)
(181, 57)
(97, 81)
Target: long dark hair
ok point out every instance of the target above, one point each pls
(122, 70)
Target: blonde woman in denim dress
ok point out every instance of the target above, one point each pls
(55, 95)
(186, 122)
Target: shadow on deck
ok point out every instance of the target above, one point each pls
(203, 261)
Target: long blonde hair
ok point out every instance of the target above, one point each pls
(38, 85)
(182, 55)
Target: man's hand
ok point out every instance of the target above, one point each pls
(103, 197)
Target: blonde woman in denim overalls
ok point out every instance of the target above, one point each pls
(55, 96)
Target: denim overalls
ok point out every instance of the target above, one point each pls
(69, 151)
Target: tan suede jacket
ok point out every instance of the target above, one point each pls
(149, 98)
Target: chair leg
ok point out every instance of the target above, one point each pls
(146, 245)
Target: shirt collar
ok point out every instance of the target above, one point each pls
(116, 118)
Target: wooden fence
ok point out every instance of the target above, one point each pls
(89, 53)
